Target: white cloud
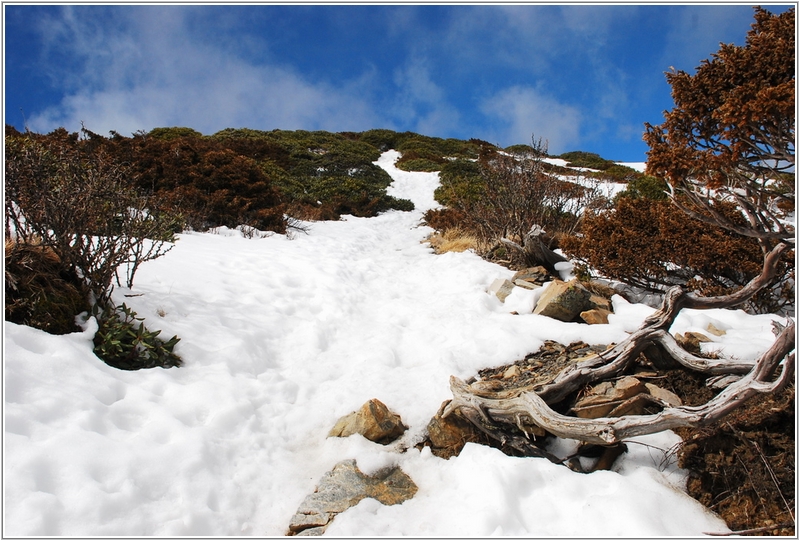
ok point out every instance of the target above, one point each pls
(150, 70)
(520, 112)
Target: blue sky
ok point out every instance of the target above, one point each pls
(584, 77)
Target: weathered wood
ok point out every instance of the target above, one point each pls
(531, 408)
(535, 252)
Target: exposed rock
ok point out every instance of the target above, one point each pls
(526, 285)
(374, 421)
(714, 330)
(343, 487)
(535, 276)
(563, 300)
(600, 303)
(664, 395)
(447, 436)
(606, 396)
(511, 372)
(501, 288)
(691, 341)
(596, 316)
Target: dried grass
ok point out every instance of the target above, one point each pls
(453, 239)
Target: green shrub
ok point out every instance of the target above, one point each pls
(419, 164)
(123, 344)
(167, 134)
(578, 158)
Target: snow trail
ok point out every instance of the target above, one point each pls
(281, 337)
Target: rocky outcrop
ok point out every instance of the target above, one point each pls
(373, 420)
(563, 300)
(343, 487)
(626, 396)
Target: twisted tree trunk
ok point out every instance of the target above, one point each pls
(531, 406)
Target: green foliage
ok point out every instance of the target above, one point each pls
(459, 181)
(419, 164)
(167, 134)
(578, 158)
(647, 187)
(123, 344)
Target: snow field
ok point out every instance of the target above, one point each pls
(281, 337)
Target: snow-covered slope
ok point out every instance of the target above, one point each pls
(280, 337)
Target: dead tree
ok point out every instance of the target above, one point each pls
(730, 138)
(535, 252)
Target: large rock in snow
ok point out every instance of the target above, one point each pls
(374, 421)
(343, 487)
(563, 300)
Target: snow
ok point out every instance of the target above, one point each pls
(283, 335)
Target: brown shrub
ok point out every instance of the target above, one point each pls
(653, 244)
(38, 291)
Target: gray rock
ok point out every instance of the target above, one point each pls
(343, 487)
(501, 288)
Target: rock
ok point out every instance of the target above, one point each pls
(714, 330)
(501, 288)
(664, 395)
(535, 276)
(600, 302)
(343, 487)
(691, 341)
(511, 372)
(526, 285)
(374, 421)
(596, 316)
(606, 396)
(563, 300)
(448, 436)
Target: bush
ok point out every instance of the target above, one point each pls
(578, 158)
(652, 244)
(123, 344)
(73, 198)
(501, 196)
(39, 292)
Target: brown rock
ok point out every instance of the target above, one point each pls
(714, 330)
(374, 421)
(664, 395)
(535, 276)
(563, 300)
(606, 396)
(448, 435)
(597, 316)
(599, 302)
(691, 341)
(511, 372)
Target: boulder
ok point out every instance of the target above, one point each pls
(374, 421)
(534, 276)
(563, 300)
(501, 288)
(448, 435)
(600, 302)
(343, 487)
(596, 316)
